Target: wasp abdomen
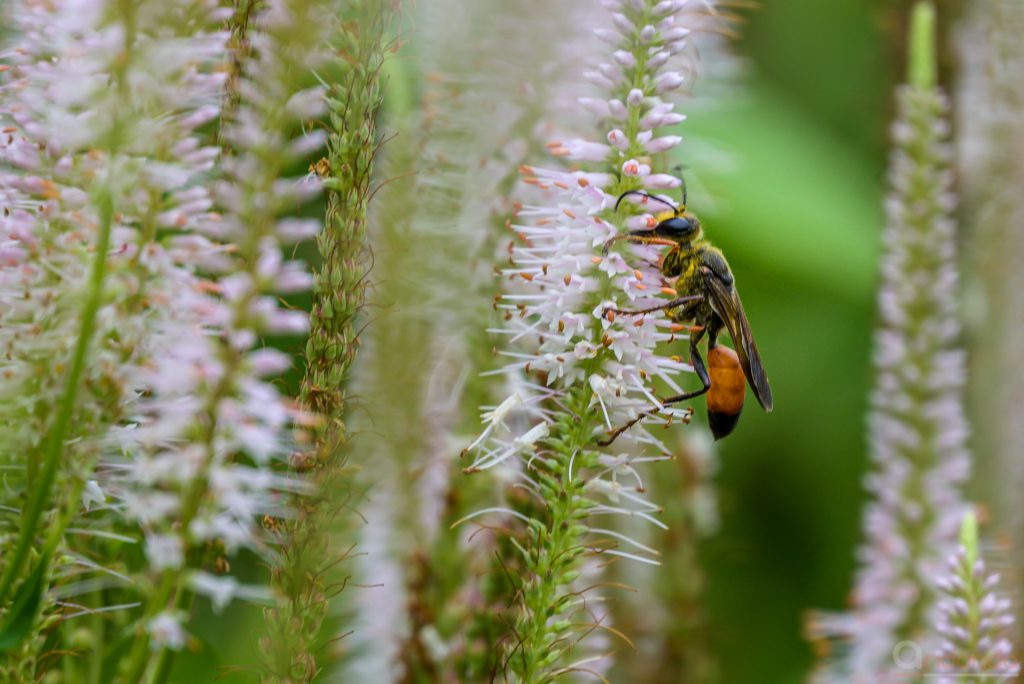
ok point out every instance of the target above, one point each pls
(728, 388)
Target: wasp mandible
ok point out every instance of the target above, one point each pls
(707, 298)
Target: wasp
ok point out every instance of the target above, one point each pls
(707, 299)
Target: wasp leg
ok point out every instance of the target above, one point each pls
(661, 307)
(713, 336)
(702, 372)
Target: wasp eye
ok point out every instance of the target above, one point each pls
(676, 227)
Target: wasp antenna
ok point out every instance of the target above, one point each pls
(678, 169)
(643, 194)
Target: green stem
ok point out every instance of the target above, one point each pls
(921, 70)
(553, 551)
(138, 656)
(162, 668)
(55, 443)
(99, 633)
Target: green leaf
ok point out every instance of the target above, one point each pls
(20, 619)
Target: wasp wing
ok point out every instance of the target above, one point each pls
(725, 302)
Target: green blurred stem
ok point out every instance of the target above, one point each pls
(55, 441)
(301, 579)
(99, 633)
(239, 46)
(969, 537)
(161, 670)
(921, 70)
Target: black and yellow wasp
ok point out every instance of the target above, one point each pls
(706, 298)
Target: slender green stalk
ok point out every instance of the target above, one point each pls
(240, 26)
(161, 670)
(922, 65)
(303, 576)
(58, 433)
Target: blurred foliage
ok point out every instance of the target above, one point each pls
(798, 213)
(798, 216)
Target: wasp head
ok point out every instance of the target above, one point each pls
(678, 228)
(684, 227)
(674, 227)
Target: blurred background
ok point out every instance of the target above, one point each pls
(795, 201)
(799, 215)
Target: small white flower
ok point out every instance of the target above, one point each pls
(92, 494)
(618, 139)
(624, 59)
(583, 150)
(535, 434)
(633, 168)
(498, 415)
(663, 144)
(610, 489)
(220, 590)
(166, 631)
(165, 551)
(662, 181)
(669, 81)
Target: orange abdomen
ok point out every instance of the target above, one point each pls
(728, 388)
